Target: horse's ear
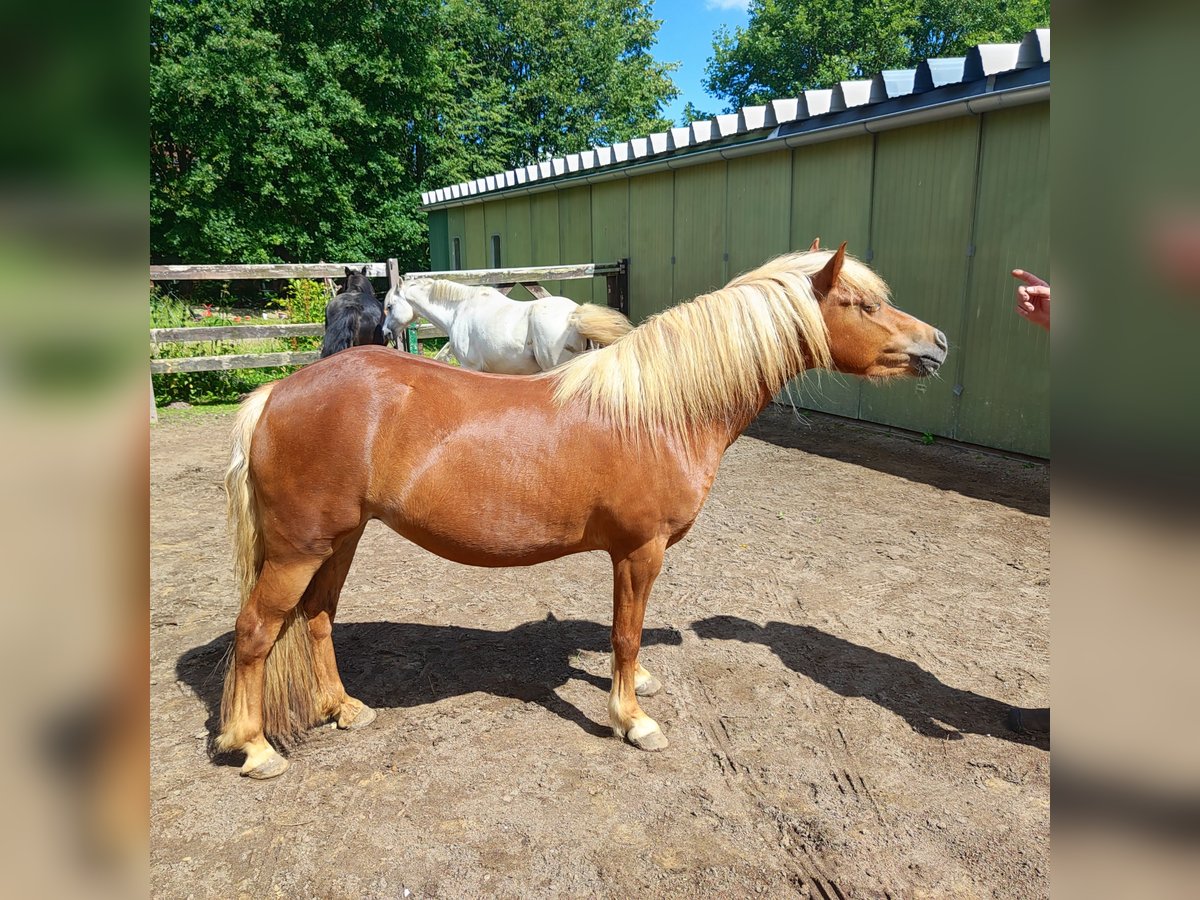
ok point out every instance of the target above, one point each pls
(364, 271)
(349, 271)
(824, 280)
(816, 245)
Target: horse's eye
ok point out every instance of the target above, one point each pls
(871, 308)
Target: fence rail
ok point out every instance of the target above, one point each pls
(616, 275)
(256, 272)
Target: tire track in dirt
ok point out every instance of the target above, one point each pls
(808, 870)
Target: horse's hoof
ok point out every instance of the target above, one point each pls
(648, 688)
(271, 767)
(650, 738)
(362, 719)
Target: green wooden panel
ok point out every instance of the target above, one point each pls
(1004, 361)
(651, 244)
(456, 227)
(700, 212)
(439, 240)
(495, 217)
(474, 238)
(575, 240)
(920, 233)
(831, 199)
(759, 209)
(543, 224)
(610, 229)
(519, 249)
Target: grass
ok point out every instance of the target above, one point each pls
(205, 410)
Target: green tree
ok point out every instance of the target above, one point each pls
(304, 129)
(283, 129)
(691, 113)
(789, 46)
(523, 80)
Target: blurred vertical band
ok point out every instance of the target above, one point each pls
(74, 472)
(1126, 276)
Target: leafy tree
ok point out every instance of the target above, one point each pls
(793, 45)
(691, 113)
(282, 129)
(306, 129)
(526, 79)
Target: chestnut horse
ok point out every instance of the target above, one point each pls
(615, 450)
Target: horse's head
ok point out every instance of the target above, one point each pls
(867, 335)
(397, 313)
(357, 282)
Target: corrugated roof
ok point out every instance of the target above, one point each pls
(981, 62)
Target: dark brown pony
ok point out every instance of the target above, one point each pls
(614, 451)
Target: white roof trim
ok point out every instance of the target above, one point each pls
(981, 61)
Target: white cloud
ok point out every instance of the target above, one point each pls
(742, 5)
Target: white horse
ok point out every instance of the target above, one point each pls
(490, 332)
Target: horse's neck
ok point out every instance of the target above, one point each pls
(440, 312)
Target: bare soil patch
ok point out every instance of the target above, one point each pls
(839, 636)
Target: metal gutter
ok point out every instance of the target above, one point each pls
(1005, 90)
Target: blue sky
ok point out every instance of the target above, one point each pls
(686, 37)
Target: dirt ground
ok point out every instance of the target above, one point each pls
(839, 636)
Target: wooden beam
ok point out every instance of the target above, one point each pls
(428, 330)
(232, 361)
(523, 274)
(235, 333)
(270, 270)
(535, 289)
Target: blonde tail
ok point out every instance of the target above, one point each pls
(290, 703)
(599, 325)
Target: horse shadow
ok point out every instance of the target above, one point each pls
(1020, 486)
(393, 665)
(846, 668)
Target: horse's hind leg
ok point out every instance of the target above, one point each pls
(273, 601)
(320, 606)
(633, 577)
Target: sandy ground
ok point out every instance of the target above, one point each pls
(839, 637)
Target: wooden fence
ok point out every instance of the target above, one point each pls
(616, 275)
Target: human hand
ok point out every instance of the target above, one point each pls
(1033, 298)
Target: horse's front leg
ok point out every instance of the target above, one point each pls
(633, 576)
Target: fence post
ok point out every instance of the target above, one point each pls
(617, 286)
(411, 338)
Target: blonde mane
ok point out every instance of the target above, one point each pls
(713, 357)
(449, 292)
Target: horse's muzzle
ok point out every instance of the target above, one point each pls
(925, 359)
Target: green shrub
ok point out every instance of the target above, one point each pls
(303, 301)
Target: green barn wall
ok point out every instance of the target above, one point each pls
(543, 229)
(456, 227)
(475, 241)
(610, 229)
(439, 240)
(495, 219)
(943, 211)
(700, 213)
(759, 209)
(1003, 361)
(651, 244)
(922, 207)
(575, 240)
(518, 250)
(831, 200)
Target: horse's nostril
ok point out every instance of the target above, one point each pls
(940, 340)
